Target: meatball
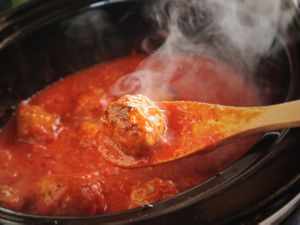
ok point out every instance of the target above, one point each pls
(69, 195)
(134, 123)
(9, 198)
(91, 104)
(151, 191)
(87, 131)
(36, 125)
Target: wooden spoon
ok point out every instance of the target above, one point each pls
(195, 127)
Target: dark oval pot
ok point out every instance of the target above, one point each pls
(42, 41)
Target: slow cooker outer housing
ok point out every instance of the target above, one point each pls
(31, 41)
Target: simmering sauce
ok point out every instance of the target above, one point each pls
(50, 160)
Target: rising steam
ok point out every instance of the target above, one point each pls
(238, 32)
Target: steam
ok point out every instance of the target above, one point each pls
(238, 32)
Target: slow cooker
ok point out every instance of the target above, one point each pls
(42, 41)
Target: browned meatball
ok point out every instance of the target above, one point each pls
(69, 195)
(36, 125)
(151, 191)
(134, 123)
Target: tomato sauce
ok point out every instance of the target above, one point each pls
(50, 163)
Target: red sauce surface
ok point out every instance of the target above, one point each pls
(50, 163)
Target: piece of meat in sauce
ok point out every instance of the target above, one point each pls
(86, 136)
(91, 103)
(69, 195)
(134, 123)
(35, 125)
(151, 191)
(9, 198)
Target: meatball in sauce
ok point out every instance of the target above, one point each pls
(134, 123)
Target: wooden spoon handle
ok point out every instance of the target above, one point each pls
(280, 116)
